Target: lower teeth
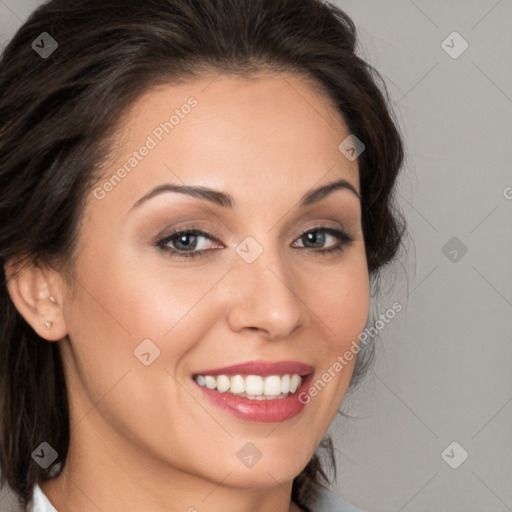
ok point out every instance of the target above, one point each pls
(261, 397)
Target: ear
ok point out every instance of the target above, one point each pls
(37, 293)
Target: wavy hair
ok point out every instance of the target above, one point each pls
(58, 122)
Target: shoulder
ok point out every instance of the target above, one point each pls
(329, 501)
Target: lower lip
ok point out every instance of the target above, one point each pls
(265, 411)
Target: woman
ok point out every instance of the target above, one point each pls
(195, 199)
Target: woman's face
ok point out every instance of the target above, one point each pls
(146, 318)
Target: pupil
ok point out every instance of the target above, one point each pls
(184, 237)
(315, 236)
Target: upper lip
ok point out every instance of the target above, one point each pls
(262, 368)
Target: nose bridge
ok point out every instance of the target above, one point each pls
(265, 297)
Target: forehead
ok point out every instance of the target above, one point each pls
(228, 132)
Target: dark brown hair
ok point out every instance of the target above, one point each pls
(58, 121)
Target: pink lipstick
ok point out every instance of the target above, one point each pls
(257, 390)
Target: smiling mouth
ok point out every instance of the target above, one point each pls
(259, 391)
(251, 386)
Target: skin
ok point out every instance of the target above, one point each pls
(143, 437)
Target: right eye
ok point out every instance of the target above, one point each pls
(183, 243)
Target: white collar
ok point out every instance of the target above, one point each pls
(40, 503)
(326, 499)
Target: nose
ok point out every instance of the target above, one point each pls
(264, 298)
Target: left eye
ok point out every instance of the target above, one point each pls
(185, 243)
(312, 236)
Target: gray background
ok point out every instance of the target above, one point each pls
(443, 367)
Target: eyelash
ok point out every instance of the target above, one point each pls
(345, 240)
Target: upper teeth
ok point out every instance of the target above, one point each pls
(273, 385)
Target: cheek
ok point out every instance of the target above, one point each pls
(128, 301)
(341, 300)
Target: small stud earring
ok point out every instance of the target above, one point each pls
(48, 324)
(52, 299)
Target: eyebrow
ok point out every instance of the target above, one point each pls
(227, 201)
